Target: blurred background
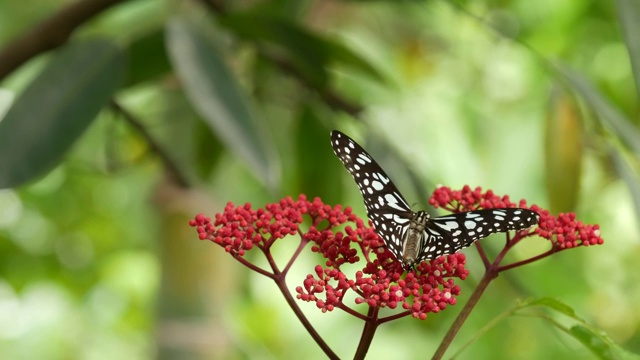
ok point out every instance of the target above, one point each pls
(121, 120)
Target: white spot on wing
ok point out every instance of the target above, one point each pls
(448, 226)
(470, 224)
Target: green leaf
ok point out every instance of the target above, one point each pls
(551, 303)
(593, 341)
(56, 108)
(311, 53)
(629, 15)
(608, 115)
(563, 151)
(213, 90)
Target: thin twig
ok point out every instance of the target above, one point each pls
(170, 165)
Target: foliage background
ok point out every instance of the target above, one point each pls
(154, 111)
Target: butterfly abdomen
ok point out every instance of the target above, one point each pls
(414, 238)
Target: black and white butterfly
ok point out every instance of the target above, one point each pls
(415, 236)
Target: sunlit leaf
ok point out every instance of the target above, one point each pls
(593, 341)
(563, 151)
(554, 304)
(213, 90)
(55, 109)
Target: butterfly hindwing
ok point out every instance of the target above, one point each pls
(460, 230)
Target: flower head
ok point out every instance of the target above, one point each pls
(379, 283)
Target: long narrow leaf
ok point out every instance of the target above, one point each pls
(56, 108)
(213, 90)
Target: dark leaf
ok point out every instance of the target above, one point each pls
(55, 109)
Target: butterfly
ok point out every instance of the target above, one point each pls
(413, 237)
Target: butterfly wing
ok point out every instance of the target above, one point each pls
(450, 233)
(386, 208)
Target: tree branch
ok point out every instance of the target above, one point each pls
(50, 33)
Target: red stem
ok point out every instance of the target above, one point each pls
(350, 311)
(394, 317)
(368, 331)
(295, 255)
(490, 274)
(527, 261)
(279, 278)
(257, 269)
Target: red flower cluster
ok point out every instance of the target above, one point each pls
(564, 231)
(428, 289)
(379, 284)
(241, 228)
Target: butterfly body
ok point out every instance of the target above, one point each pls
(415, 239)
(415, 236)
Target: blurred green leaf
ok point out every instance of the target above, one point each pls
(608, 115)
(55, 109)
(311, 53)
(594, 339)
(552, 303)
(563, 151)
(629, 16)
(147, 58)
(213, 90)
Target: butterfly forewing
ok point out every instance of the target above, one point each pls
(387, 209)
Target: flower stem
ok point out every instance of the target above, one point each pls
(279, 278)
(527, 261)
(369, 330)
(490, 274)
